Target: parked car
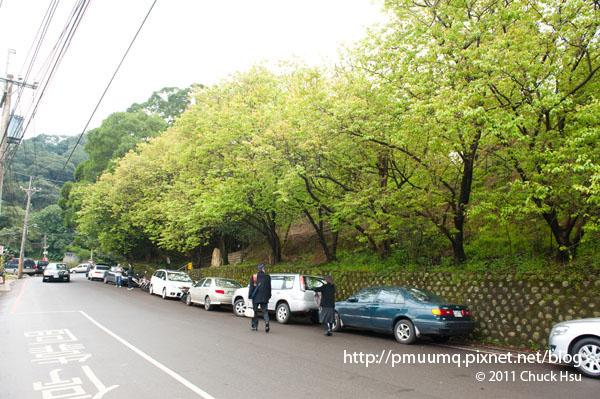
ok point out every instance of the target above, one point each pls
(80, 268)
(56, 272)
(41, 265)
(97, 272)
(291, 293)
(110, 277)
(406, 312)
(212, 291)
(29, 266)
(577, 342)
(168, 283)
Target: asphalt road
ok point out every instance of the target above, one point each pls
(89, 340)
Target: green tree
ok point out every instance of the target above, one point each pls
(118, 134)
(168, 103)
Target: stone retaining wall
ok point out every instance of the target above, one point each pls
(516, 310)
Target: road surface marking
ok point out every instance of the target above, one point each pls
(14, 306)
(102, 389)
(151, 360)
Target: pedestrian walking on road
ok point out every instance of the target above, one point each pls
(130, 277)
(259, 293)
(327, 313)
(118, 275)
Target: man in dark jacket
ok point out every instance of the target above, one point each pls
(259, 292)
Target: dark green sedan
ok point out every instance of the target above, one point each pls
(406, 312)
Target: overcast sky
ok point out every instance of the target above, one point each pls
(183, 42)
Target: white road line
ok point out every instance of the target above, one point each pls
(102, 389)
(156, 363)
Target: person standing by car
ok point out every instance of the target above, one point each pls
(2, 275)
(118, 275)
(130, 277)
(327, 314)
(259, 292)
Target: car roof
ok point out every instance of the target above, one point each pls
(171, 271)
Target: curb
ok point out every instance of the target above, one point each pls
(6, 287)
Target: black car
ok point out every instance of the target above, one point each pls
(41, 265)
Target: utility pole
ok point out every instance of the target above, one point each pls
(45, 253)
(5, 104)
(29, 192)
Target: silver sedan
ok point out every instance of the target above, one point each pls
(212, 291)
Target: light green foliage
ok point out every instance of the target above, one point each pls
(476, 122)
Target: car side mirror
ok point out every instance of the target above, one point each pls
(352, 300)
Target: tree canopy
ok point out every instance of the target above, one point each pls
(455, 119)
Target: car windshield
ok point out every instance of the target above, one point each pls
(221, 282)
(59, 266)
(178, 277)
(424, 295)
(102, 267)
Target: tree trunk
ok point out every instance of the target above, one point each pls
(566, 245)
(330, 253)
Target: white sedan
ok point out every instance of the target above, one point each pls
(169, 283)
(212, 291)
(577, 342)
(56, 272)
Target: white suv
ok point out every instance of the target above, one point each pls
(290, 293)
(97, 272)
(169, 283)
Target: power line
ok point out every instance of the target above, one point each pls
(108, 85)
(72, 26)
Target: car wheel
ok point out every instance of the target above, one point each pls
(586, 357)
(68, 280)
(440, 339)
(282, 313)
(164, 293)
(150, 289)
(207, 305)
(337, 324)
(45, 280)
(188, 300)
(404, 331)
(239, 307)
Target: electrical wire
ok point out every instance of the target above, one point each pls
(73, 26)
(108, 86)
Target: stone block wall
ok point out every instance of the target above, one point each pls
(514, 309)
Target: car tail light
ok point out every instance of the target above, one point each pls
(219, 291)
(466, 312)
(442, 312)
(302, 284)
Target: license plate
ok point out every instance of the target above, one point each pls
(458, 313)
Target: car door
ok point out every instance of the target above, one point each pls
(277, 287)
(204, 289)
(388, 304)
(356, 310)
(195, 291)
(159, 283)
